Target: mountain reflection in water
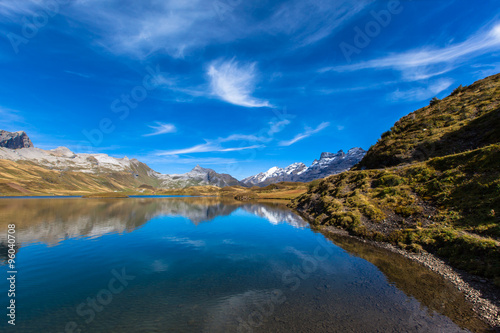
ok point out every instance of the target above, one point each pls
(196, 276)
(60, 219)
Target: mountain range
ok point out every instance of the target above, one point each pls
(327, 165)
(60, 168)
(64, 160)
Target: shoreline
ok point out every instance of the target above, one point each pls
(479, 292)
(482, 294)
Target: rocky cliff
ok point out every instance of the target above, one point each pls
(15, 140)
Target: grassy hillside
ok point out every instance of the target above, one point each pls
(445, 205)
(467, 119)
(441, 191)
(25, 178)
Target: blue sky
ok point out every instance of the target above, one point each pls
(237, 86)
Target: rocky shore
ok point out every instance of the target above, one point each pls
(483, 295)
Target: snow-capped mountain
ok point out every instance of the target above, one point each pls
(276, 215)
(16, 146)
(276, 174)
(328, 164)
(62, 159)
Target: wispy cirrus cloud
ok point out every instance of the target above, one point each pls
(310, 21)
(209, 147)
(203, 161)
(161, 128)
(85, 76)
(303, 135)
(428, 61)
(246, 141)
(13, 8)
(186, 160)
(421, 93)
(235, 83)
(276, 127)
(10, 117)
(176, 27)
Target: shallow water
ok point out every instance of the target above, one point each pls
(205, 265)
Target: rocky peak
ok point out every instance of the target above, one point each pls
(62, 152)
(356, 150)
(198, 168)
(328, 164)
(296, 165)
(326, 155)
(197, 176)
(15, 140)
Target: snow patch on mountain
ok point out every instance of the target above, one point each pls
(328, 164)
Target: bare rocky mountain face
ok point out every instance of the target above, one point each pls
(328, 164)
(198, 176)
(18, 147)
(15, 140)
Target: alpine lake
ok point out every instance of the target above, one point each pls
(202, 264)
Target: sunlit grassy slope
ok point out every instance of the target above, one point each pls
(467, 119)
(432, 182)
(24, 178)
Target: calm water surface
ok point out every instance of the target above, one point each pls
(205, 265)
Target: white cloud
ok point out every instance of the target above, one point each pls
(203, 161)
(189, 160)
(306, 134)
(243, 137)
(234, 83)
(484, 70)
(276, 127)
(265, 135)
(14, 8)
(161, 128)
(208, 147)
(420, 94)
(85, 76)
(10, 118)
(309, 21)
(176, 27)
(427, 62)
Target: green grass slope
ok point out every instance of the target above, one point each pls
(448, 204)
(467, 119)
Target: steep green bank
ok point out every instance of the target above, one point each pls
(448, 205)
(467, 119)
